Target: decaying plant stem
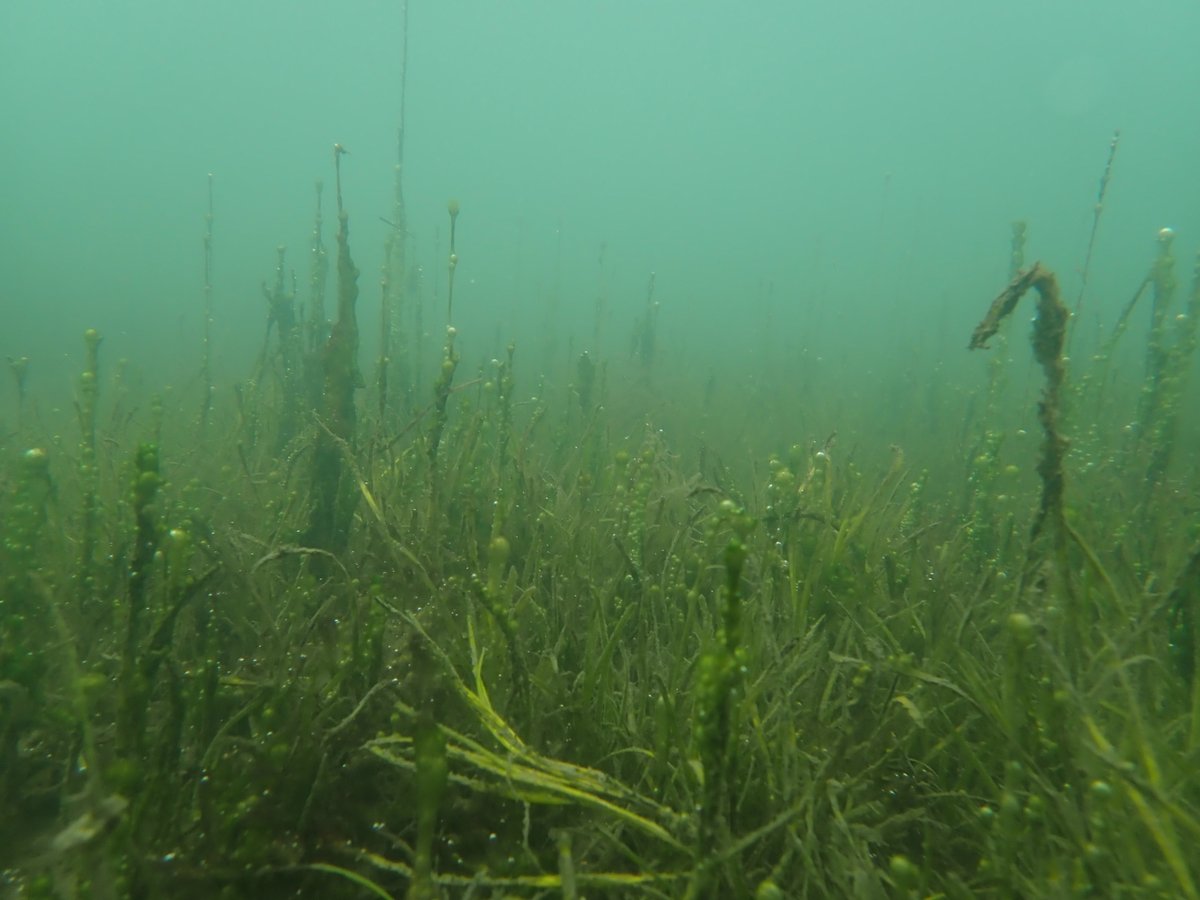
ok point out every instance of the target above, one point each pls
(1049, 333)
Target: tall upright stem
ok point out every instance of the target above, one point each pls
(206, 364)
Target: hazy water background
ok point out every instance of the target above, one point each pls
(831, 181)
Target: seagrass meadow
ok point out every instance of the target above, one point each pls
(565, 513)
